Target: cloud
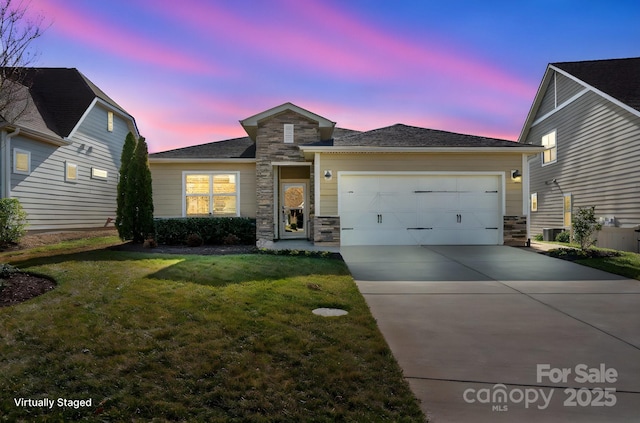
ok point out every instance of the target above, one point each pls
(83, 26)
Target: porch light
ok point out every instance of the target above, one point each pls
(327, 175)
(516, 176)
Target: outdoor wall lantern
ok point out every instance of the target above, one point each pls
(516, 176)
(327, 175)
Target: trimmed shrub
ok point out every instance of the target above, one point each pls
(194, 240)
(538, 237)
(212, 230)
(13, 221)
(563, 236)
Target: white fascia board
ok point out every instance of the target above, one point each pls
(560, 107)
(196, 160)
(544, 83)
(597, 91)
(38, 136)
(521, 150)
(82, 118)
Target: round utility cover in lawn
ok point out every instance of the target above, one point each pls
(329, 312)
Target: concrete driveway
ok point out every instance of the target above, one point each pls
(501, 334)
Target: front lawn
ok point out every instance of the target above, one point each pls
(197, 338)
(623, 263)
(627, 264)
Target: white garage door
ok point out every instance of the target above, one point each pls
(420, 210)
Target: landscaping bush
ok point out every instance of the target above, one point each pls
(563, 236)
(585, 225)
(212, 230)
(538, 237)
(13, 221)
(194, 240)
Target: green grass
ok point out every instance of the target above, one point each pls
(198, 338)
(627, 264)
(61, 247)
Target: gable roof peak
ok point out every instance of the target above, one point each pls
(61, 95)
(250, 124)
(617, 78)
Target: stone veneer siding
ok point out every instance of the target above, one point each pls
(515, 230)
(270, 147)
(326, 230)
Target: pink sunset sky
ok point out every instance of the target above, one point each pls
(189, 70)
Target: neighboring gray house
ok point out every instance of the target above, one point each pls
(587, 115)
(62, 156)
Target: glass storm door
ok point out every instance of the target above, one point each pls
(293, 215)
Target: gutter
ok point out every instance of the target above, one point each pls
(6, 140)
(199, 160)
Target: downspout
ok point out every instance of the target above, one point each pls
(7, 160)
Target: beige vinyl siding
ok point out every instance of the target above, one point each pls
(598, 162)
(53, 203)
(167, 185)
(437, 162)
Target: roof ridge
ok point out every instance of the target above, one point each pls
(421, 128)
(596, 60)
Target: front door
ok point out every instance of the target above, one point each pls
(293, 210)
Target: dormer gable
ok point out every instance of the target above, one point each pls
(325, 126)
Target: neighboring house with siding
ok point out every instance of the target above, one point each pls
(301, 177)
(587, 116)
(61, 157)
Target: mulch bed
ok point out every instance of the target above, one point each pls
(573, 254)
(19, 287)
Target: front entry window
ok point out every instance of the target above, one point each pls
(293, 224)
(209, 194)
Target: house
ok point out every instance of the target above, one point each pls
(587, 117)
(301, 177)
(61, 156)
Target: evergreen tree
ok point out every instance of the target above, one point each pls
(138, 194)
(123, 220)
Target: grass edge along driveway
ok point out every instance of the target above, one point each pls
(205, 338)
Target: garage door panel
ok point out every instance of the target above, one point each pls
(437, 183)
(437, 201)
(420, 210)
(397, 201)
(477, 183)
(478, 219)
(379, 237)
(398, 220)
(479, 201)
(363, 220)
(352, 201)
(437, 219)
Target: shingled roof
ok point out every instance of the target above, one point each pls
(237, 148)
(396, 136)
(401, 135)
(62, 96)
(619, 78)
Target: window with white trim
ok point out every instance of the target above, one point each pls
(21, 161)
(550, 154)
(211, 194)
(70, 172)
(567, 209)
(99, 173)
(534, 202)
(110, 121)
